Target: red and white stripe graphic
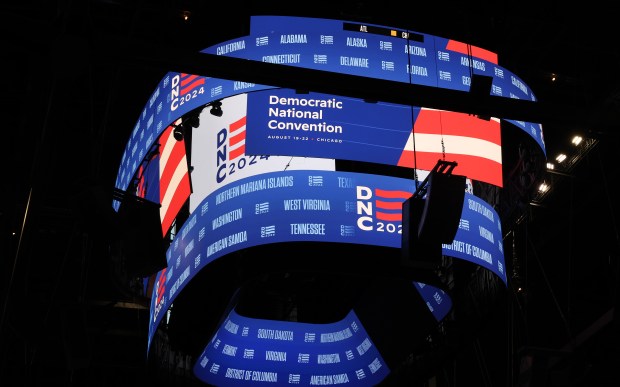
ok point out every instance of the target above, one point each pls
(389, 204)
(474, 143)
(236, 138)
(174, 183)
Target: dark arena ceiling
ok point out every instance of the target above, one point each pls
(77, 75)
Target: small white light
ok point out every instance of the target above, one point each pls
(543, 187)
(561, 157)
(577, 140)
(550, 166)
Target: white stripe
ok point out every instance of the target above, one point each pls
(165, 153)
(451, 112)
(455, 145)
(236, 146)
(179, 172)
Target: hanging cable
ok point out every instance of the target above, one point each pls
(443, 146)
(415, 162)
(289, 163)
(555, 300)
(482, 363)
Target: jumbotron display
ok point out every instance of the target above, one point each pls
(319, 206)
(324, 45)
(264, 172)
(247, 351)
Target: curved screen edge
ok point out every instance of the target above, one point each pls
(311, 206)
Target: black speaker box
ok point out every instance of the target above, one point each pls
(433, 220)
(142, 244)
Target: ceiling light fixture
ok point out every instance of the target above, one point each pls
(543, 187)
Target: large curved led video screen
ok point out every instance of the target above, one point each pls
(283, 122)
(379, 52)
(264, 171)
(246, 351)
(317, 206)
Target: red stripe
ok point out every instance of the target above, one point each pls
(164, 137)
(236, 139)
(181, 193)
(457, 124)
(192, 86)
(162, 286)
(234, 153)
(477, 168)
(175, 158)
(389, 217)
(141, 190)
(187, 79)
(392, 194)
(476, 52)
(237, 124)
(389, 205)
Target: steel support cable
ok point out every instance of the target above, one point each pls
(614, 224)
(546, 279)
(482, 363)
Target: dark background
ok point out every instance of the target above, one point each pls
(76, 76)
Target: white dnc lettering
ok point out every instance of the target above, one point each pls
(364, 208)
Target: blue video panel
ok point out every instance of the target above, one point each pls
(330, 45)
(319, 206)
(246, 351)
